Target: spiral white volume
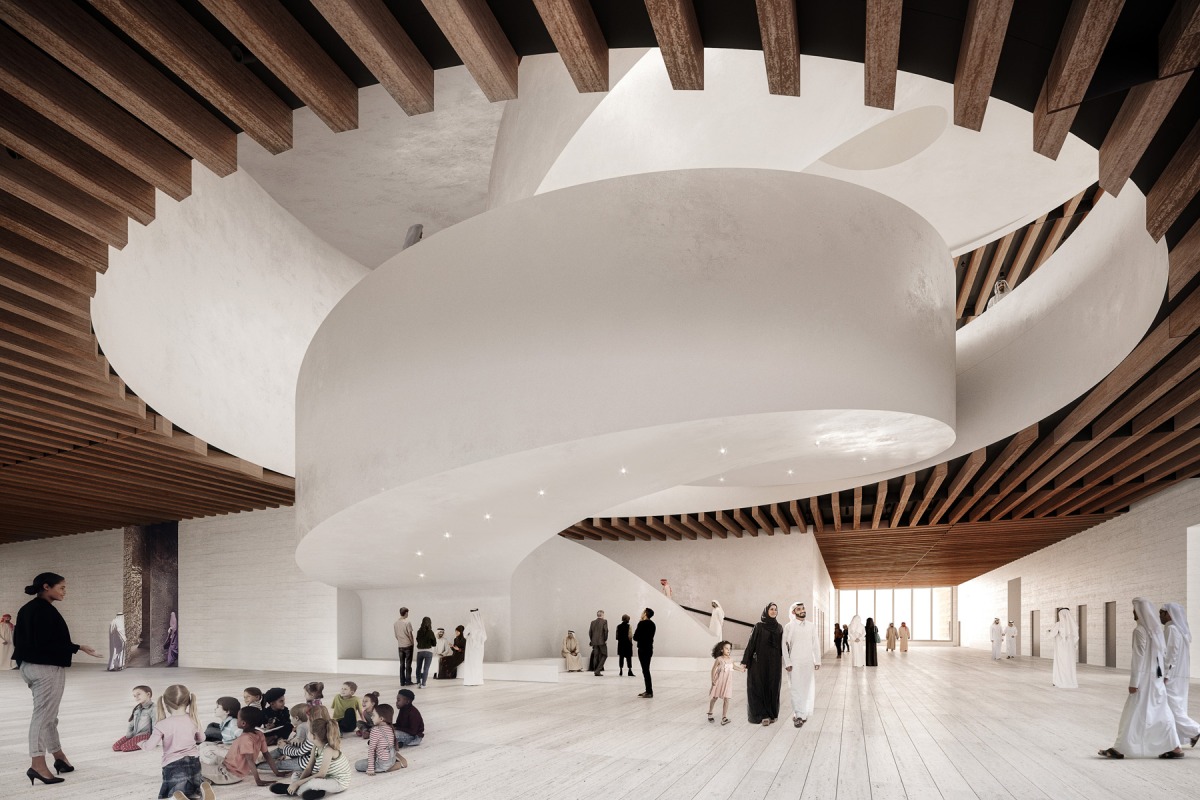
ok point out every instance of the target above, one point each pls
(579, 348)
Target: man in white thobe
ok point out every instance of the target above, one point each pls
(1178, 669)
(1010, 639)
(997, 638)
(1147, 727)
(801, 650)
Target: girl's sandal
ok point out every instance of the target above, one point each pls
(710, 717)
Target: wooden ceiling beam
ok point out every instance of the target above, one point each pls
(993, 274)
(55, 235)
(1021, 260)
(659, 531)
(835, 501)
(678, 34)
(932, 484)
(680, 530)
(712, 525)
(78, 41)
(629, 531)
(815, 507)
(1085, 34)
(1141, 115)
(1175, 187)
(881, 490)
(1016, 447)
(882, 57)
(44, 290)
(906, 488)
(747, 524)
(978, 57)
(780, 519)
(795, 507)
(176, 39)
(40, 82)
(764, 524)
(964, 292)
(41, 141)
(698, 530)
(21, 258)
(576, 34)
(1184, 261)
(779, 29)
(730, 525)
(1179, 39)
(20, 303)
(285, 48)
(52, 195)
(857, 513)
(209, 464)
(473, 32)
(963, 477)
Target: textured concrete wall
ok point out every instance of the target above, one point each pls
(1141, 553)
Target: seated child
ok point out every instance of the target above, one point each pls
(328, 772)
(292, 755)
(409, 727)
(178, 730)
(240, 761)
(381, 748)
(314, 692)
(369, 701)
(141, 721)
(276, 722)
(219, 735)
(347, 709)
(252, 697)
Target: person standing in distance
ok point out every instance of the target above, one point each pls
(801, 649)
(644, 636)
(598, 638)
(404, 643)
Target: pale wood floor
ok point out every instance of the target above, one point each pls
(937, 722)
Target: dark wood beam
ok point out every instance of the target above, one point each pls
(1179, 39)
(978, 57)
(47, 192)
(1185, 262)
(678, 33)
(882, 52)
(780, 31)
(576, 34)
(473, 32)
(910, 480)
(1175, 187)
(1142, 113)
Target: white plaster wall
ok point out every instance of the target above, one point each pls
(1193, 587)
(349, 624)
(1141, 553)
(243, 602)
(446, 608)
(561, 585)
(208, 310)
(93, 565)
(743, 575)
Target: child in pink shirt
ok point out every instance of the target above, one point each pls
(241, 760)
(178, 730)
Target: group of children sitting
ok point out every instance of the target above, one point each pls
(261, 734)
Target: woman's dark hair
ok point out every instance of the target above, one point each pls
(426, 624)
(624, 618)
(145, 689)
(386, 713)
(649, 613)
(230, 705)
(719, 650)
(459, 629)
(44, 579)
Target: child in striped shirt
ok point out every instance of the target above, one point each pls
(328, 772)
(381, 745)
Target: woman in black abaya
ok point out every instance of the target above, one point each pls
(872, 640)
(763, 660)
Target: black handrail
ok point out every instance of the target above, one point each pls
(709, 614)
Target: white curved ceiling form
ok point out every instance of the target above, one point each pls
(360, 190)
(207, 312)
(973, 187)
(554, 342)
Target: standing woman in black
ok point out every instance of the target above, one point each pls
(763, 660)
(872, 640)
(43, 650)
(643, 634)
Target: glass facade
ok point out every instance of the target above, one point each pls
(929, 611)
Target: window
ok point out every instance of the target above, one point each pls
(866, 604)
(921, 606)
(903, 608)
(847, 605)
(883, 608)
(942, 618)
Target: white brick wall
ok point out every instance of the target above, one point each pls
(92, 565)
(243, 602)
(1140, 553)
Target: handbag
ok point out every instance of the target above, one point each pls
(877, 637)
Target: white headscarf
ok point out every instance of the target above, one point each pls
(475, 630)
(1179, 619)
(1068, 621)
(856, 626)
(1148, 618)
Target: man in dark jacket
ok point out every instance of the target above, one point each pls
(643, 634)
(598, 638)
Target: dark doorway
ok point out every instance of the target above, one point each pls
(1014, 613)
(1082, 634)
(1110, 634)
(1035, 634)
(151, 593)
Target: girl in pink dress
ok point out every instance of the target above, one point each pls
(722, 680)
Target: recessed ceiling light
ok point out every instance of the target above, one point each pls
(489, 516)
(623, 470)
(721, 479)
(864, 458)
(420, 574)
(419, 552)
(722, 451)
(541, 492)
(791, 472)
(446, 535)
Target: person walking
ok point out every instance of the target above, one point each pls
(763, 660)
(1065, 635)
(997, 635)
(892, 636)
(644, 636)
(838, 636)
(857, 635)
(905, 635)
(1178, 670)
(598, 639)
(405, 641)
(1010, 639)
(6, 637)
(801, 650)
(43, 653)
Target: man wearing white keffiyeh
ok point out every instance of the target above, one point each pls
(1178, 669)
(1147, 727)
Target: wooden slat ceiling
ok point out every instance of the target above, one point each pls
(104, 102)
